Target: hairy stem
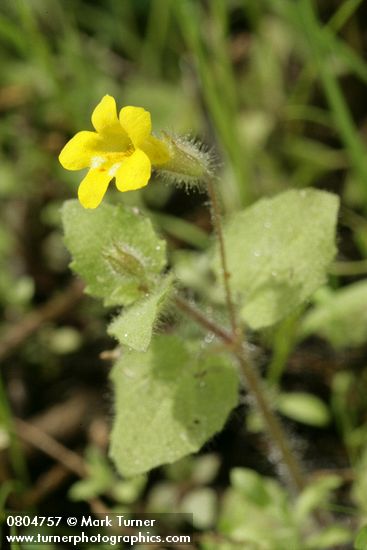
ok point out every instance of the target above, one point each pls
(217, 223)
(233, 340)
(274, 427)
(256, 389)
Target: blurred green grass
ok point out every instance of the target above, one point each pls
(242, 79)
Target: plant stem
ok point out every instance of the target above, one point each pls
(201, 319)
(358, 267)
(233, 341)
(217, 223)
(256, 389)
(274, 427)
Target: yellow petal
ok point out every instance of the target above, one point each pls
(93, 187)
(156, 150)
(105, 121)
(105, 114)
(137, 124)
(79, 151)
(134, 172)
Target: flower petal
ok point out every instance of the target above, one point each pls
(105, 114)
(78, 152)
(156, 150)
(137, 123)
(93, 187)
(134, 172)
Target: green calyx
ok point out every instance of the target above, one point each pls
(188, 163)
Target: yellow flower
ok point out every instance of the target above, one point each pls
(121, 148)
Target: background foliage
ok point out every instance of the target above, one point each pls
(277, 89)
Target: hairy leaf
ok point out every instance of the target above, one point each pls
(133, 327)
(115, 250)
(278, 252)
(168, 403)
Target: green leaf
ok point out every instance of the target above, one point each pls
(127, 491)
(246, 514)
(168, 403)
(133, 327)
(202, 503)
(361, 541)
(100, 477)
(278, 252)
(304, 407)
(331, 537)
(317, 494)
(205, 469)
(251, 484)
(182, 230)
(193, 270)
(341, 318)
(115, 250)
